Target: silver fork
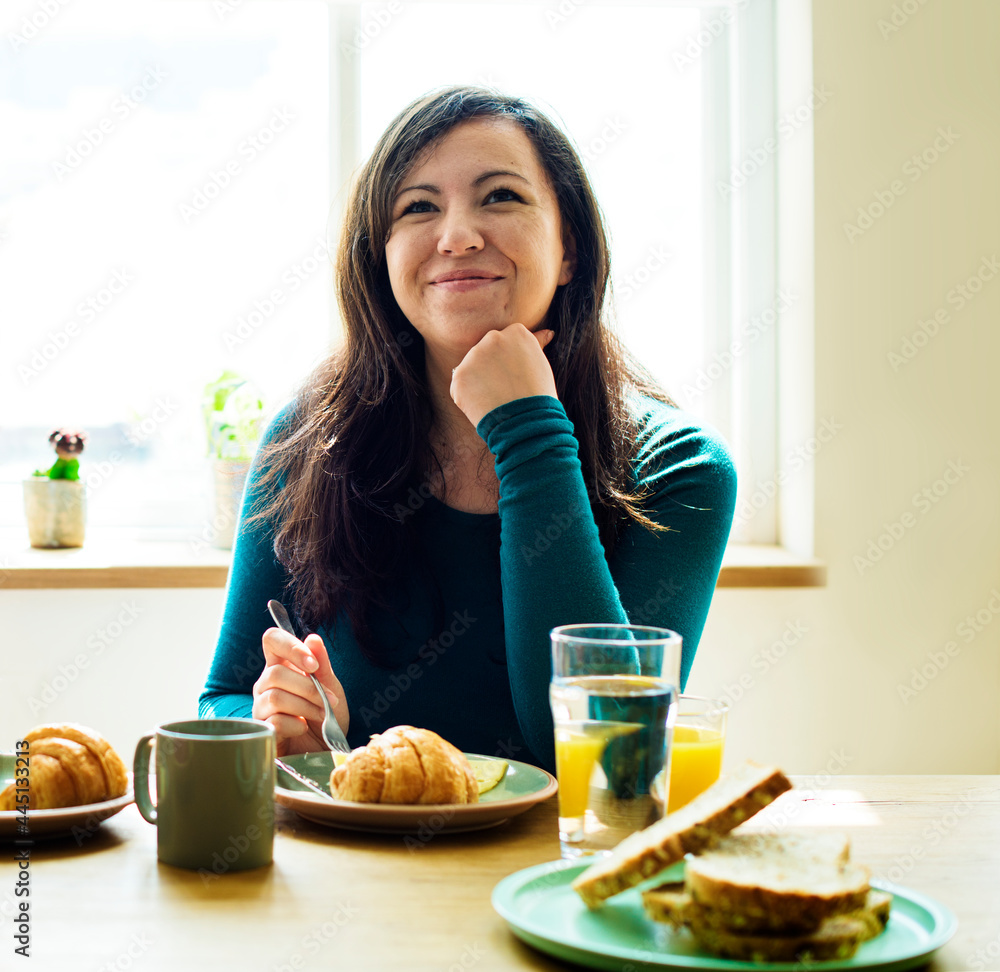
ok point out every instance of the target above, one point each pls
(332, 734)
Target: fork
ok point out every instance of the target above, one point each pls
(331, 732)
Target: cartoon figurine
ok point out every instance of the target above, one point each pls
(68, 446)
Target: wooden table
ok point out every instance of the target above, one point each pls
(349, 901)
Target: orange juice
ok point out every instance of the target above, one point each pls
(611, 742)
(579, 746)
(695, 763)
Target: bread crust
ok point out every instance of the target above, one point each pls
(787, 908)
(836, 938)
(723, 806)
(671, 904)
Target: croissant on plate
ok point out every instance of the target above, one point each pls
(405, 765)
(69, 766)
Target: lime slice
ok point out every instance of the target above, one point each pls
(488, 772)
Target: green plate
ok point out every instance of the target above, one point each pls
(543, 910)
(521, 788)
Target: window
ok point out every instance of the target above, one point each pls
(177, 168)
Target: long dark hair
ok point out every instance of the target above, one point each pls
(358, 437)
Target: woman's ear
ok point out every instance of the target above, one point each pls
(569, 258)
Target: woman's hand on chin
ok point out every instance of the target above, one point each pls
(504, 366)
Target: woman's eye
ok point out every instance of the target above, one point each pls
(420, 206)
(503, 195)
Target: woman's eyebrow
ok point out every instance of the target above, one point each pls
(479, 180)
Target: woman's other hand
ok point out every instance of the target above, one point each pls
(504, 366)
(286, 699)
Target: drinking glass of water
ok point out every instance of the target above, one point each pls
(613, 695)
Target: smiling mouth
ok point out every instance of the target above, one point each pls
(463, 284)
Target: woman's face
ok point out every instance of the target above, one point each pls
(476, 242)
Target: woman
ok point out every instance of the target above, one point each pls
(480, 462)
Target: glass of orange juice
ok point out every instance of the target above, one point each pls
(696, 750)
(613, 695)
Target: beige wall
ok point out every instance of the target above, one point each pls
(827, 698)
(836, 691)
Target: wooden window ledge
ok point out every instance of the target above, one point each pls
(116, 559)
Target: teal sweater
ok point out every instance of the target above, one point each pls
(506, 579)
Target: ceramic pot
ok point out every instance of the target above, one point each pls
(230, 478)
(56, 510)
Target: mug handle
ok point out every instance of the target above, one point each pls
(140, 781)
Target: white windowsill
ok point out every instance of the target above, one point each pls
(116, 559)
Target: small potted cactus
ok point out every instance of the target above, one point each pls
(55, 498)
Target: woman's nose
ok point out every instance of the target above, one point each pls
(460, 232)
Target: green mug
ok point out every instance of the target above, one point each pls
(214, 793)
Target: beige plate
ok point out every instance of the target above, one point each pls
(521, 788)
(65, 822)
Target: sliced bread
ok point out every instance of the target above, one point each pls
(692, 828)
(784, 881)
(671, 904)
(836, 938)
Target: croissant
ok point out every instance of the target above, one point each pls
(70, 766)
(405, 765)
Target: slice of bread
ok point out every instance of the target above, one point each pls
(836, 938)
(778, 881)
(671, 904)
(692, 828)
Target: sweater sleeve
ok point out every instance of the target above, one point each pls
(553, 566)
(255, 576)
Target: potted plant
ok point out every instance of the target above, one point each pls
(234, 420)
(55, 501)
